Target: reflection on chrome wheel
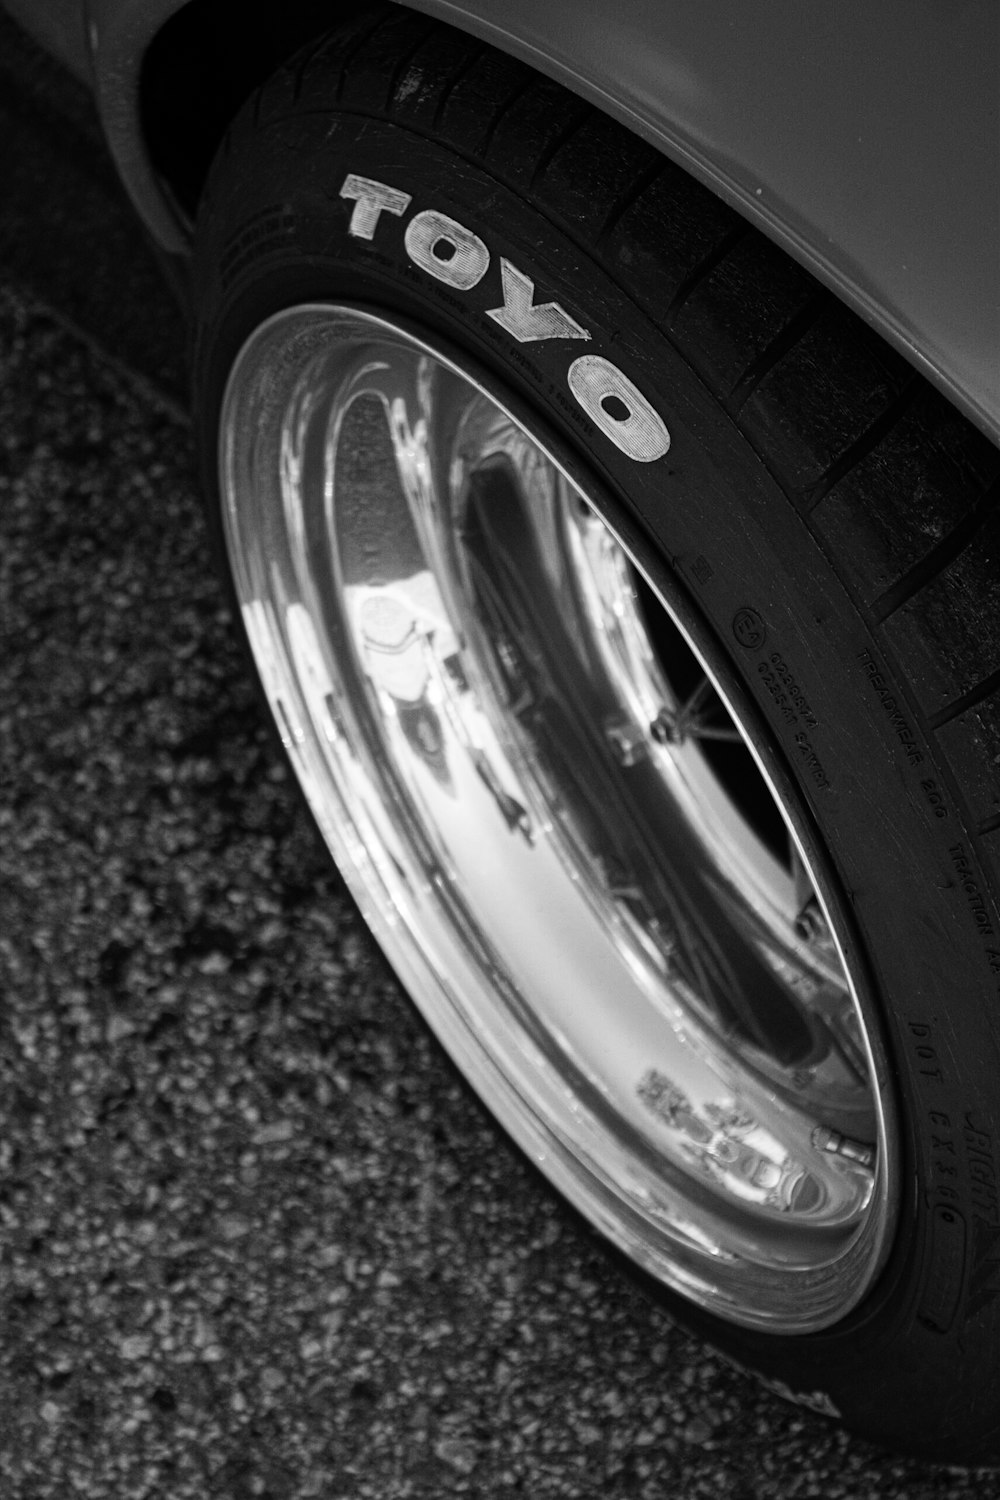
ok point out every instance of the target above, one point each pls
(558, 823)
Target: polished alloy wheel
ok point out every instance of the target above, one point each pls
(563, 827)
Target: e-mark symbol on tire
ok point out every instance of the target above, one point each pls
(749, 629)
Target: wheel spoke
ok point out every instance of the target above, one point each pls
(693, 720)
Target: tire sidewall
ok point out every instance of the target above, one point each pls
(709, 519)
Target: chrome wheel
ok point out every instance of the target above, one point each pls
(559, 821)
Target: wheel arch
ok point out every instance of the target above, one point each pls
(863, 141)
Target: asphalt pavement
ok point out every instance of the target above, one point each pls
(256, 1240)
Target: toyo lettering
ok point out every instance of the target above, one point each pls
(370, 200)
(446, 250)
(526, 319)
(454, 255)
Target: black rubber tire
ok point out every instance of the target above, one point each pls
(814, 487)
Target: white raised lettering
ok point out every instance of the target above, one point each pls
(446, 249)
(527, 321)
(618, 408)
(370, 199)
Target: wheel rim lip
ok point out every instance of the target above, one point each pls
(679, 1259)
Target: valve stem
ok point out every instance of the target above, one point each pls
(835, 1144)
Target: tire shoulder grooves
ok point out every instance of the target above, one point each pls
(404, 61)
(862, 446)
(475, 56)
(982, 690)
(645, 179)
(577, 119)
(783, 343)
(941, 556)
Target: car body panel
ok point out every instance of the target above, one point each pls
(865, 139)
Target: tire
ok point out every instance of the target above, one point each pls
(565, 514)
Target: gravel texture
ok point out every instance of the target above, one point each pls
(255, 1238)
